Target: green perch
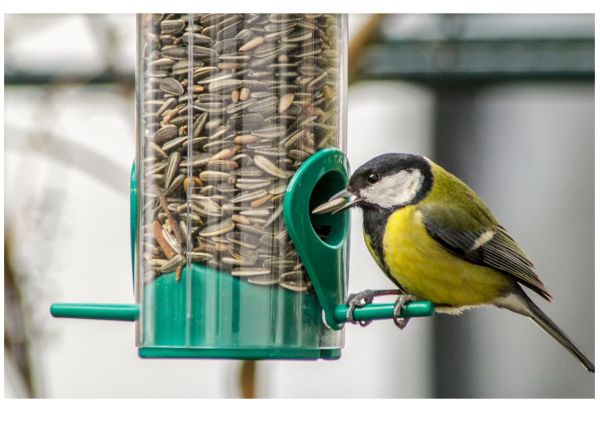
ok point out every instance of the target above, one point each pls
(376, 311)
(125, 312)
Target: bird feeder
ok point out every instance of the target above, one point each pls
(240, 134)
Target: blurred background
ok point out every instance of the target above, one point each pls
(506, 102)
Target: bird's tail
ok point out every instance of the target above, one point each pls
(526, 307)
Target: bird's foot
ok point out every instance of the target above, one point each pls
(358, 300)
(365, 297)
(401, 301)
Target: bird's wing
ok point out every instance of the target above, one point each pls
(488, 245)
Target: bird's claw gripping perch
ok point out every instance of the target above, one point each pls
(358, 300)
(401, 301)
(365, 297)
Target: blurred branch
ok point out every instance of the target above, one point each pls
(248, 380)
(359, 43)
(106, 40)
(74, 154)
(16, 343)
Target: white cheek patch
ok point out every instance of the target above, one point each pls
(394, 190)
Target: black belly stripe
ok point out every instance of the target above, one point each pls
(374, 222)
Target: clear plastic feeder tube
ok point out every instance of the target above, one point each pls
(229, 107)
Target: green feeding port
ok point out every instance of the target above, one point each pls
(330, 228)
(321, 241)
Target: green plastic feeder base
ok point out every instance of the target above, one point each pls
(212, 314)
(255, 353)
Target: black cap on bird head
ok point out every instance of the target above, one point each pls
(389, 181)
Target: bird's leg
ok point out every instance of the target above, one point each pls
(365, 297)
(402, 300)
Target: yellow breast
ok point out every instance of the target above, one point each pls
(428, 271)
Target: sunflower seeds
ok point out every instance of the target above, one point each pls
(249, 272)
(248, 241)
(199, 256)
(172, 167)
(285, 102)
(217, 229)
(231, 105)
(269, 167)
(250, 196)
(263, 280)
(329, 207)
(245, 93)
(252, 44)
(171, 264)
(172, 26)
(224, 85)
(293, 281)
(165, 133)
(171, 86)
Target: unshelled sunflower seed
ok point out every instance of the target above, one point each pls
(269, 167)
(171, 86)
(217, 229)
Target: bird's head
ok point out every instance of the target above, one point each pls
(388, 182)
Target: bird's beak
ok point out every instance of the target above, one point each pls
(338, 202)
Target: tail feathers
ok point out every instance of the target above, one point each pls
(546, 324)
(521, 304)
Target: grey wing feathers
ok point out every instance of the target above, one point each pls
(491, 246)
(503, 253)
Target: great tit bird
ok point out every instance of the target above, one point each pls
(437, 241)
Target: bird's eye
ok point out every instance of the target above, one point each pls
(373, 177)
